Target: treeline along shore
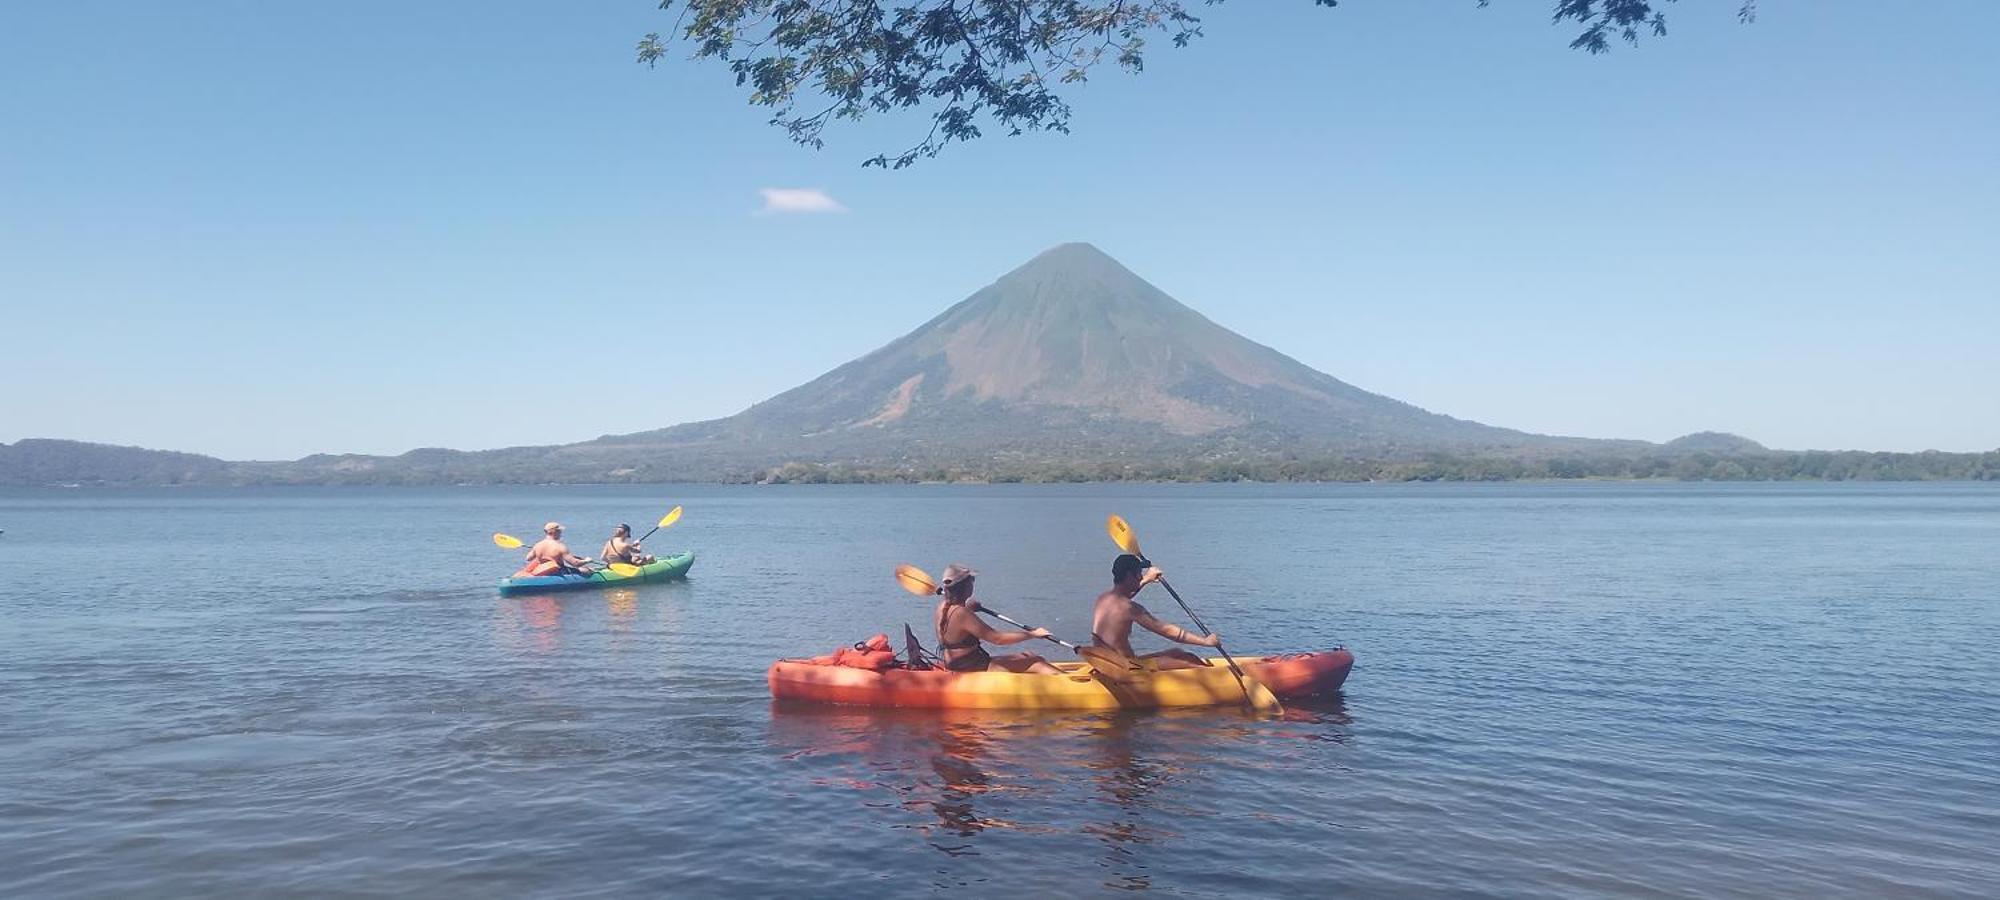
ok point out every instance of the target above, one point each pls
(1812, 465)
(69, 463)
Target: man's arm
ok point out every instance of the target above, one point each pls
(1170, 631)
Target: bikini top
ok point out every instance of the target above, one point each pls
(970, 641)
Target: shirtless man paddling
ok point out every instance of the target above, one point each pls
(552, 549)
(1115, 612)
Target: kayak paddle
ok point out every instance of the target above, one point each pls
(510, 542)
(1258, 697)
(916, 581)
(666, 521)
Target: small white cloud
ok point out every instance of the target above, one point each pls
(797, 200)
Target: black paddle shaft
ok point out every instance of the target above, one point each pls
(1198, 623)
(1002, 618)
(1234, 669)
(981, 608)
(996, 614)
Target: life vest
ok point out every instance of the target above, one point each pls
(873, 654)
(536, 570)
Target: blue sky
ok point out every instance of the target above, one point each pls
(259, 230)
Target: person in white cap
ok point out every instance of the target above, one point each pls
(551, 549)
(960, 631)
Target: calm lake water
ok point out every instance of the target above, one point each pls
(1584, 689)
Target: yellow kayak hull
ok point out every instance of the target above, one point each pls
(1076, 688)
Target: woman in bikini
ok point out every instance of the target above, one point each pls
(960, 632)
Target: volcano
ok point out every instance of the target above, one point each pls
(1073, 354)
(1069, 366)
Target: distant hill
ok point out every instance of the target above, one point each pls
(44, 461)
(1069, 367)
(1714, 442)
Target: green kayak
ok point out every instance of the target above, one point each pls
(662, 569)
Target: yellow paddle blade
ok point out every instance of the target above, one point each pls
(915, 580)
(626, 569)
(671, 517)
(507, 541)
(1261, 698)
(1121, 534)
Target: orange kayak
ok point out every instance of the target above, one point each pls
(1288, 676)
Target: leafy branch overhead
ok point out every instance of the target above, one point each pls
(975, 62)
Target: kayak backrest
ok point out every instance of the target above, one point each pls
(914, 654)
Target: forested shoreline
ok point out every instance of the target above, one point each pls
(1814, 465)
(64, 463)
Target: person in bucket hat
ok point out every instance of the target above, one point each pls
(961, 632)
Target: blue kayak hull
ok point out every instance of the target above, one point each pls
(662, 569)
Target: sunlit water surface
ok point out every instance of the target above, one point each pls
(1562, 689)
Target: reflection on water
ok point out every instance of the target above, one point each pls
(1125, 779)
(1329, 709)
(530, 622)
(624, 607)
(1124, 782)
(962, 778)
(536, 623)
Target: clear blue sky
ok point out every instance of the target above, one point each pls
(259, 230)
